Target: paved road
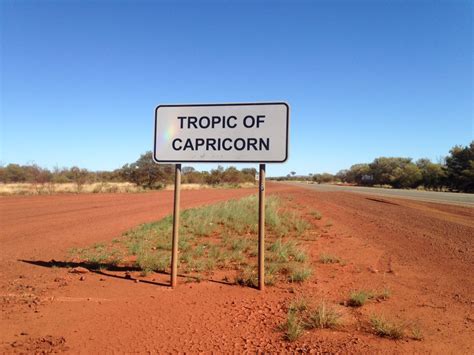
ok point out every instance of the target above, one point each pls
(430, 196)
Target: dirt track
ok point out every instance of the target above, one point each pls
(423, 252)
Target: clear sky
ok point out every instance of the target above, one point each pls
(80, 79)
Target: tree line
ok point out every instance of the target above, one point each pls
(455, 172)
(143, 172)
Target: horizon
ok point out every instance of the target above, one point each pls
(80, 81)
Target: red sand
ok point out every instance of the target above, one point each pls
(422, 252)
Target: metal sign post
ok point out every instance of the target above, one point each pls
(261, 228)
(174, 255)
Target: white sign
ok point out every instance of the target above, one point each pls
(244, 132)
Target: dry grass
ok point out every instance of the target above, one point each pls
(204, 186)
(329, 259)
(50, 188)
(386, 329)
(293, 327)
(97, 187)
(359, 298)
(324, 316)
(302, 314)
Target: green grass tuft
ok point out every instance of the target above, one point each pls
(358, 298)
(293, 327)
(329, 259)
(384, 328)
(299, 273)
(323, 316)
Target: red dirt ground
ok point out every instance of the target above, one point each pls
(422, 252)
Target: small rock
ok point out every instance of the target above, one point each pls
(137, 281)
(79, 270)
(101, 279)
(128, 275)
(23, 333)
(82, 278)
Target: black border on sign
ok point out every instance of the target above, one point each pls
(224, 161)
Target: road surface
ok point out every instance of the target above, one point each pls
(454, 198)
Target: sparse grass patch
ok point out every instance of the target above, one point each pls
(386, 329)
(247, 277)
(98, 255)
(358, 298)
(323, 316)
(303, 315)
(329, 259)
(384, 294)
(316, 215)
(299, 273)
(299, 305)
(416, 333)
(153, 261)
(220, 236)
(293, 327)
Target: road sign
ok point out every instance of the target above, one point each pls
(224, 133)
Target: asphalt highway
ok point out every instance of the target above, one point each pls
(454, 198)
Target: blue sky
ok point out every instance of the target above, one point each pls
(80, 80)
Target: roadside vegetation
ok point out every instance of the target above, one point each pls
(303, 315)
(359, 298)
(217, 237)
(329, 259)
(144, 174)
(98, 187)
(455, 172)
(385, 328)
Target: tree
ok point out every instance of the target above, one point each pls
(342, 175)
(145, 172)
(187, 170)
(251, 172)
(323, 178)
(232, 176)
(433, 175)
(387, 171)
(40, 175)
(460, 168)
(15, 173)
(79, 176)
(406, 176)
(359, 174)
(215, 176)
